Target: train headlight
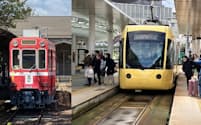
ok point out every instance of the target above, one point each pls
(158, 76)
(42, 44)
(15, 43)
(128, 75)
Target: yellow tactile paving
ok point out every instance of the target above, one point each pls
(186, 110)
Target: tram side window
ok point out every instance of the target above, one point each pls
(121, 53)
(16, 62)
(41, 59)
(169, 62)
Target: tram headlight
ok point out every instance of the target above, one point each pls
(128, 75)
(15, 43)
(158, 76)
(42, 44)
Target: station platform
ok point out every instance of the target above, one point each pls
(64, 83)
(64, 86)
(87, 97)
(186, 110)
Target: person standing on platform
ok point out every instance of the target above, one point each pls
(196, 59)
(96, 65)
(87, 62)
(187, 67)
(102, 67)
(89, 74)
(110, 65)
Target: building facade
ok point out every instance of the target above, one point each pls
(140, 10)
(56, 29)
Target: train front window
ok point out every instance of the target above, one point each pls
(41, 59)
(144, 49)
(29, 59)
(16, 62)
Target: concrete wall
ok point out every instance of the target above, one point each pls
(52, 26)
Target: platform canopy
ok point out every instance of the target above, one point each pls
(104, 12)
(5, 37)
(188, 14)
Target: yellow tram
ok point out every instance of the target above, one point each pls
(147, 57)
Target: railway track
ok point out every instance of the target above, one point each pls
(22, 117)
(58, 114)
(39, 117)
(129, 109)
(128, 113)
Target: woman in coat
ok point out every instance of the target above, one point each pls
(187, 67)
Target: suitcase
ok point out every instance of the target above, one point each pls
(193, 87)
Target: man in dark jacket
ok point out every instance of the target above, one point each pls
(187, 67)
(110, 65)
(96, 65)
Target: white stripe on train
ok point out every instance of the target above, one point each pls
(32, 73)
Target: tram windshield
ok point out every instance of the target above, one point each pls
(29, 59)
(144, 49)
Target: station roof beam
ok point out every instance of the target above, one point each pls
(102, 9)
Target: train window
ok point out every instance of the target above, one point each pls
(121, 54)
(144, 49)
(16, 61)
(41, 59)
(29, 59)
(170, 53)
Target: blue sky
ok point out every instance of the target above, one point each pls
(51, 7)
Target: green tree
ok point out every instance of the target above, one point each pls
(10, 10)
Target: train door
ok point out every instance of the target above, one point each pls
(51, 69)
(42, 59)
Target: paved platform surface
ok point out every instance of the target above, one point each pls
(186, 110)
(82, 95)
(79, 81)
(64, 86)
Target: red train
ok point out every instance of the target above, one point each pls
(32, 71)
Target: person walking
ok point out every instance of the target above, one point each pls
(187, 67)
(96, 65)
(102, 68)
(110, 65)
